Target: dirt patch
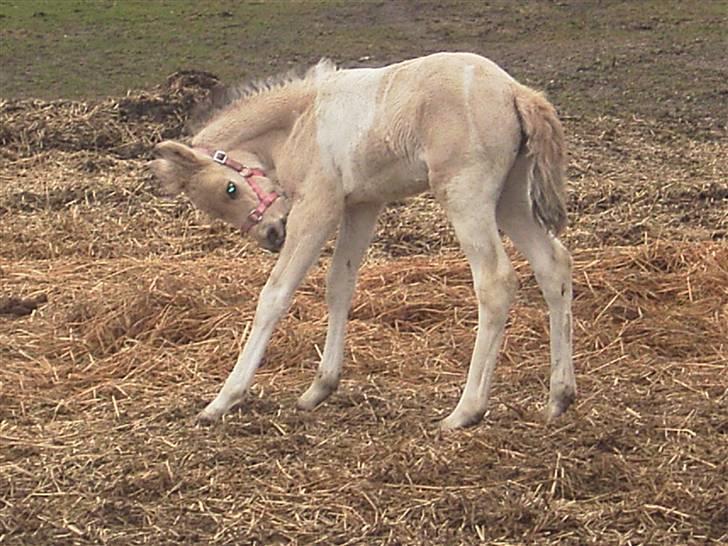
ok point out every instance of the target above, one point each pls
(126, 127)
(20, 307)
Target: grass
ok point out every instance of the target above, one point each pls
(593, 58)
(76, 48)
(592, 54)
(80, 49)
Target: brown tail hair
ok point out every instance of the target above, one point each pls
(545, 147)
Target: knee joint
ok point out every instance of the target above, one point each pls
(555, 277)
(497, 291)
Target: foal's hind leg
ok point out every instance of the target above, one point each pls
(551, 263)
(354, 235)
(472, 214)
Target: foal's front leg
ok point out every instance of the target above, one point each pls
(308, 229)
(354, 236)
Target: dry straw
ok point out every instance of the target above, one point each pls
(121, 314)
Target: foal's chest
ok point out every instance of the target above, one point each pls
(346, 108)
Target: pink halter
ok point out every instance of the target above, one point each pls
(265, 200)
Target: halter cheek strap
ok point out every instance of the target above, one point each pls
(265, 200)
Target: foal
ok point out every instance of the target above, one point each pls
(341, 144)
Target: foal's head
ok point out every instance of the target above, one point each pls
(223, 192)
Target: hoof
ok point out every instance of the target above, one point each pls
(560, 403)
(461, 420)
(305, 403)
(211, 414)
(316, 393)
(219, 407)
(206, 419)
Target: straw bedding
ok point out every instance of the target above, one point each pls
(120, 314)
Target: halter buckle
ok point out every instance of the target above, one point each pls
(220, 157)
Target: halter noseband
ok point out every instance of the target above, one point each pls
(265, 200)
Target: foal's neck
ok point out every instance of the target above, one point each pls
(260, 123)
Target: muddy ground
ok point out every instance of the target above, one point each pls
(120, 315)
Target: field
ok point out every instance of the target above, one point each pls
(121, 313)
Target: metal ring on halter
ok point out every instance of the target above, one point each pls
(255, 216)
(220, 157)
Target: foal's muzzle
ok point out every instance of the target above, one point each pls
(275, 236)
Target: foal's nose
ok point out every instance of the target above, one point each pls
(275, 235)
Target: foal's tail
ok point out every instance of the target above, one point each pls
(545, 148)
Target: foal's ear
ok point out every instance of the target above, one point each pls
(175, 165)
(178, 153)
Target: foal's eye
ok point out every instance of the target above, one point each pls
(231, 190)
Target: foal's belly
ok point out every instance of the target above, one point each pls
(385, 182)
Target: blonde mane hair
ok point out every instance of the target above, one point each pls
(222, 99)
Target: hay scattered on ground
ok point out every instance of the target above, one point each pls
(101, 384)
(126, 127)
(630, 180)
(139, 306)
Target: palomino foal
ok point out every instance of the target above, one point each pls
(342, 143)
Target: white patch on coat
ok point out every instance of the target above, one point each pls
(468, 73)
(468, 77)
(346, 106)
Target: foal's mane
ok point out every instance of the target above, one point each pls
(223, 98)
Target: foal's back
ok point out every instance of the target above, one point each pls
(395, 123)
